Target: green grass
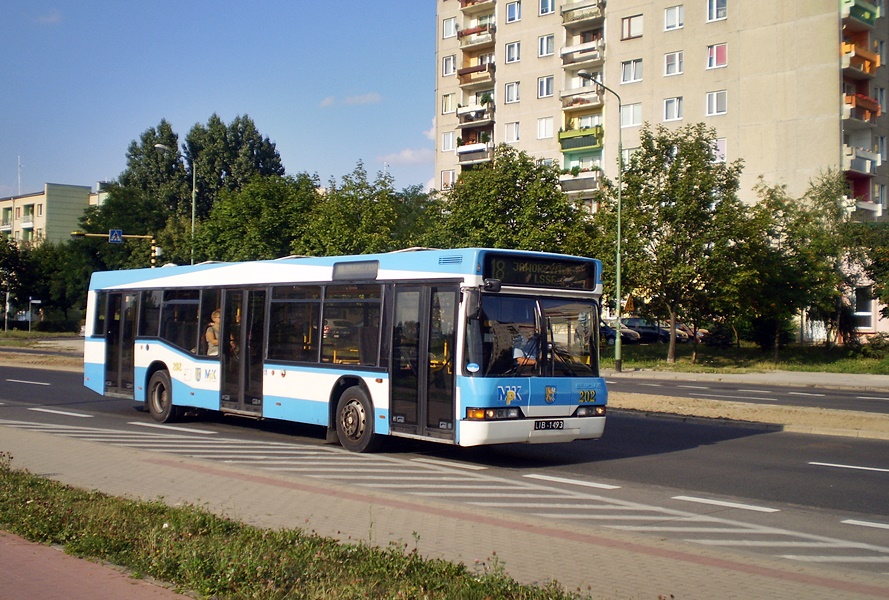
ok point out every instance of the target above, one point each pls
(216, 557)
(745, 359)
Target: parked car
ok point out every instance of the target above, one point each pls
(339, 329)
(650, 331)
(701, 334)
(627, 336)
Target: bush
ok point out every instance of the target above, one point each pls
(877, 346)
(56, 326)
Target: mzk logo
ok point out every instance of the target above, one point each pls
(509, 393)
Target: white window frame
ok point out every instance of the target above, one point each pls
(544, 128)
(678, 60)
(673, 109)
(513, 12)
(447, 179)
(631, 115)
(713, 56)
(547, 7)
(674, 17)
(447, 103)
(545, 86)
(864, 312)
(713, 102)
(546, 45)
(449, 28)
(513, 52)
(631, 71)
(449, 65)
(511, 132)
(511, 93)
(631, 27)
(717, 10)
(588, 121)
(448, 141)
(720, 151)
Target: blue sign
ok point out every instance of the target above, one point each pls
(115, 236)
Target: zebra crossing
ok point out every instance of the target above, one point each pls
(542, 496)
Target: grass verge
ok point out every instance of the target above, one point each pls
(212, 556)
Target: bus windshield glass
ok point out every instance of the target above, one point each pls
(528, 336)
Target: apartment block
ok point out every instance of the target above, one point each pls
(48, 215)
(792, 88)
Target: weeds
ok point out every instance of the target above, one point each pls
(212, 556)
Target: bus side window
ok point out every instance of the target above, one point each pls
(99, 317)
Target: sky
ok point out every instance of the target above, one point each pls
(331, 83)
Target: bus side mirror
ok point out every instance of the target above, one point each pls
(492, 285)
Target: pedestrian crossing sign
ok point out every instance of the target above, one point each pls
(115, 236)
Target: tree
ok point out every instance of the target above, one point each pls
(678, 204)
(510, 202)
(260, 221)
(356, 216)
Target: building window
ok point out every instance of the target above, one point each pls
(447, 103)
(631, 115)
(512, 132)
(512, 92)
(881, 99)
(447, 179)
(449, 28)
(716, 9)
(881, 147)
(546, 45)
(447, 141)
(513, 52)
(547, 7)
(864, 307)
(673, 109)
(40, 210)
(631, 71)
(448, 65)
(719, 152)
(545, 86)
(674, 17)
(673, 64)
(880, 193)
(716, 103)
(631, 27)
(18, 212)
(587, 121)
(717, 56)
(544, 128)
(513, 12)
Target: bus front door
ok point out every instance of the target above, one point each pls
(241, 351)
(120, 331)
(423, 337)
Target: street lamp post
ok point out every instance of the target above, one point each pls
(194, 188)
(618, 359)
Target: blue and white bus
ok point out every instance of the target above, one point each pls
(466, 347)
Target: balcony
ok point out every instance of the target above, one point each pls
(475, 115)
(583, 54)
(477, 37)
(28, 220)
(471, 7)
(861, 108)
(581, 139)
(6, 225)
(859, 15)
(858, 62)
(471, 154)
(578, 99)
(580, 184)
(581, 12)
(479, 74)
(860, 161)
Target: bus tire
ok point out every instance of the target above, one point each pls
(160, 398)
(354, 421)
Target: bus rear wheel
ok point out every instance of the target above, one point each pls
(160, 398)
(354, 421)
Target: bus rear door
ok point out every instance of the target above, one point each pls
(120, 331)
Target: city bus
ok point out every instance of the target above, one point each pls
(465, 347)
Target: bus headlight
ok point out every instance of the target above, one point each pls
(492, 414)
(590, 411)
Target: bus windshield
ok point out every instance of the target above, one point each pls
(528, 336)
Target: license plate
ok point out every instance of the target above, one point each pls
(538, 425)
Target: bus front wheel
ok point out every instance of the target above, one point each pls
(354, 421)
(160, 398)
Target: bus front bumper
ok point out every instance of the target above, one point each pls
(476, 433)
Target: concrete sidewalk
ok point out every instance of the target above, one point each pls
(788, 378)
(602, 562)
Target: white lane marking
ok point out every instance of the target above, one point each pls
(778, 544)
(838, 559)
(866, 524)
(600, 486)
(171, 428)
(693, 387)
(756, 391)
(734, 397)
(651, 385)
(62, 412)
(726, 504)
(445, 463)
(28, 382)
(871, 398)
(854, 467)
(804, 394)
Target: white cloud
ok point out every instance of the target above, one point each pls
(410, 156)
(329, 101)
(53, 17)
(369, 98)
(430, 133)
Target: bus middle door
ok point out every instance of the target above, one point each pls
(120, 342)
(241, 348)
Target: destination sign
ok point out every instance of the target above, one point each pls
(540, 272)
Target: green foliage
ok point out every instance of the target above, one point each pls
(220, 558)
